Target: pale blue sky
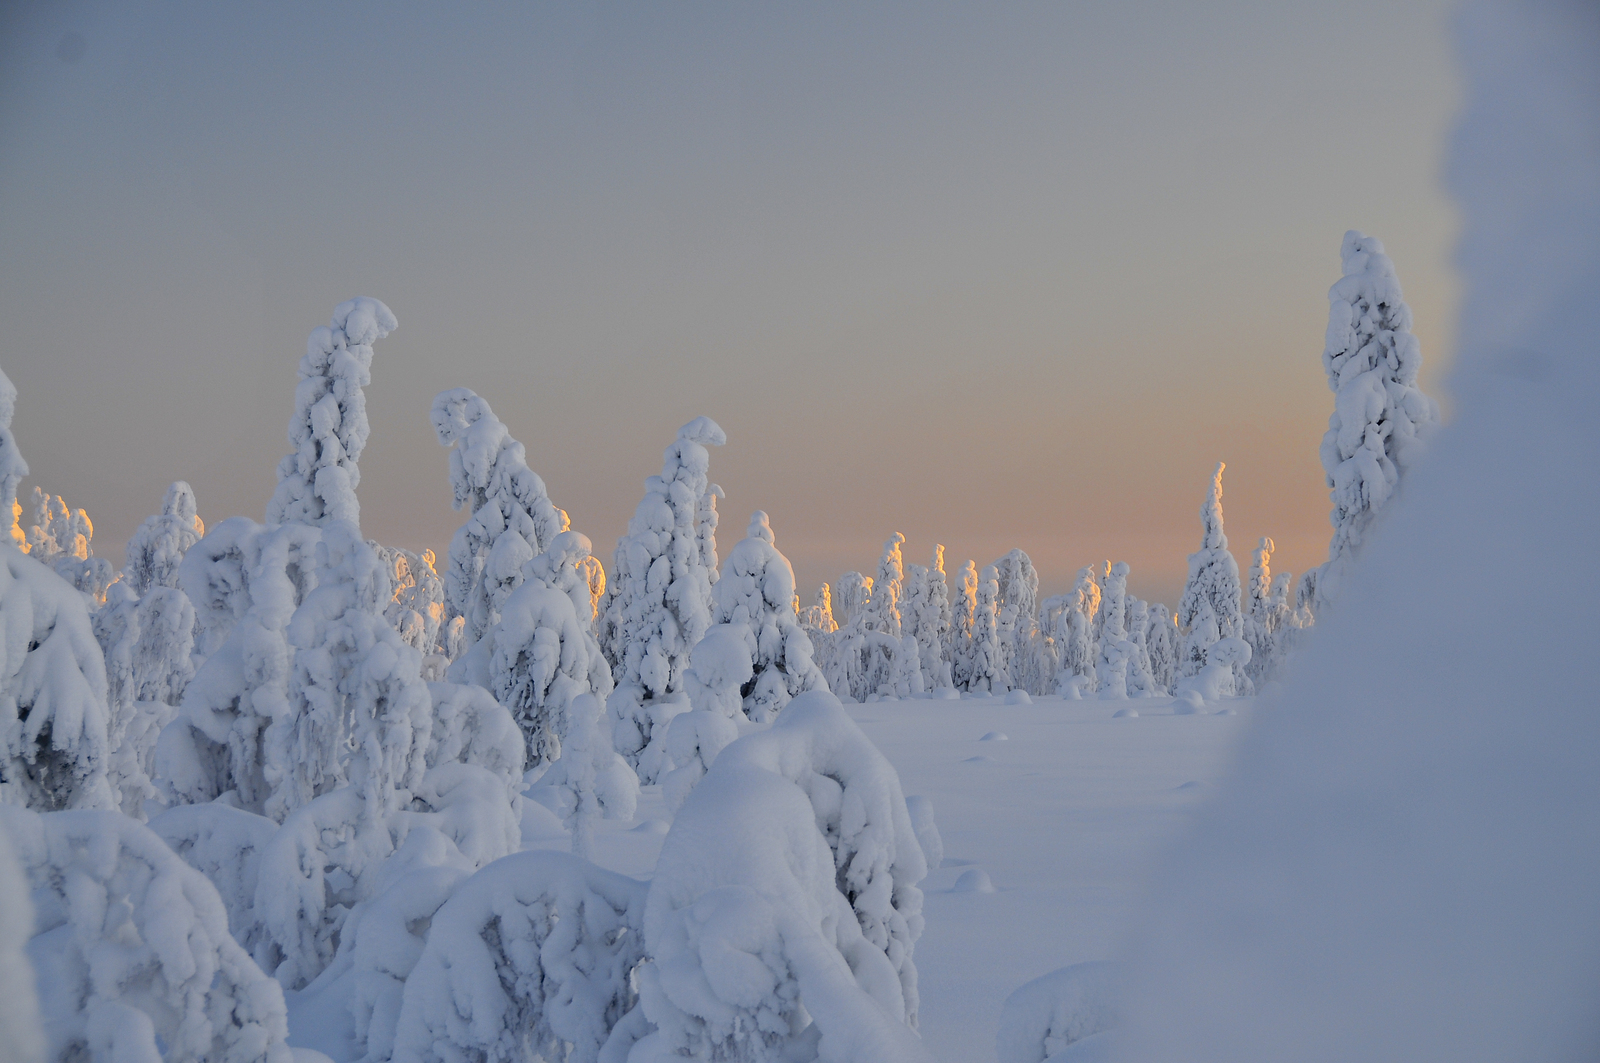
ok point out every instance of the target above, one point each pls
(992, 274)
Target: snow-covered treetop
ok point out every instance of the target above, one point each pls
(157, 547)
(12, 467)
(317, 481)
(1372, 360)
(1213, 537)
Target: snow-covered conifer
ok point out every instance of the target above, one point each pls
(532, 957)
(135, 960)
(317, 479)
(542, 654)
(54, 720)
(63, 538)
(853, 592)
(757, 590)
(988, 656)
(962, 623)
(1026, 652)
(1076, 648)
(12, 467)
(1141, 676)
(797, 854)
(719, 669)
(511, 518)
(663, 602)
(416, 607)
(817, 618)
(1266, 614)
(1372, 359)
(589, 781)
(1213, 582)
(905, 677)
(883, 607)
(158, 546)
(1115, 652)
(926, 609)
(146, 643)
(1161, 645)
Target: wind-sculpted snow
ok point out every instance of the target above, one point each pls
(510, 516)
(787, 887)
(131, 950)
(663, 573)
(317, 479)
(756, 589)
(54, 720)
(531, 955)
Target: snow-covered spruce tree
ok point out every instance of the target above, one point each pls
(54, 720)
(531, 957)
(541, 654)
(131, 949)
(817, 618)
(589, 781)
(988, 655)
(797, 854)
(962, 623)
(12, 467)
(663, 602)
(1076, 648)
(511, 518)
(1115, 651)
(157, 547)
(719, 668)
(416, 607)
(1379, 413)
(1027, 653)
(1161, 645)
(1266, 613)
(883, 606)
(146, 642)
(1141, 676)
(1213, 581)
(853, 592)
(317, 479)
(933, 632)
(756, 589)
(63, 538)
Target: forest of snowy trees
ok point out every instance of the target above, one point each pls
(265, 755)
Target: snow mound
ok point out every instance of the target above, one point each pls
(995, 736)
(974, 881)
(1065, 1008)
(1125, 714)
(1018, 697)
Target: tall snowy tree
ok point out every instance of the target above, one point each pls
(663, 603)
(63, 538)
(12, 467)
(850, 595)
(317, 480)
(1214, 583)
(963, 620)
(511, 518)
(1115, 650)
(987, 654)
(1076, 646)
(883, 607)
(927, 619)
(817, 618)
(1028, 657)
(1161, 644)
(1372, 359)
(1266, 612)
(757, 590)
(158, 546)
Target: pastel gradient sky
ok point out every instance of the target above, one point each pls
(992, 275)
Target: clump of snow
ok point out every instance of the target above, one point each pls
(1423, 831)
(131, 949)
(1063, 1008)
(317, 479)
(511, 518)
(664, 569)
(530, 956)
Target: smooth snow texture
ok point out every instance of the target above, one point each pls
(1062, 1008)
(131, 949)
(1417, 812)
(19, 1002)
(317, 479)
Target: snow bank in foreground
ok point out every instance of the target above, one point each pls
(1060, 1009)
(1403, 869)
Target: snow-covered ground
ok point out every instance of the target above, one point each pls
(1060, 816)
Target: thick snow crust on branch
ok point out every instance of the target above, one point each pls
(54, 720)
(1379, 413)
(131, 949)
(1213, 588)
(756, 589)
(1388, 812)
(511, 518)
(157, 548)
(317, 479)
(787, 889)
(663, 604)
(533, 955)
